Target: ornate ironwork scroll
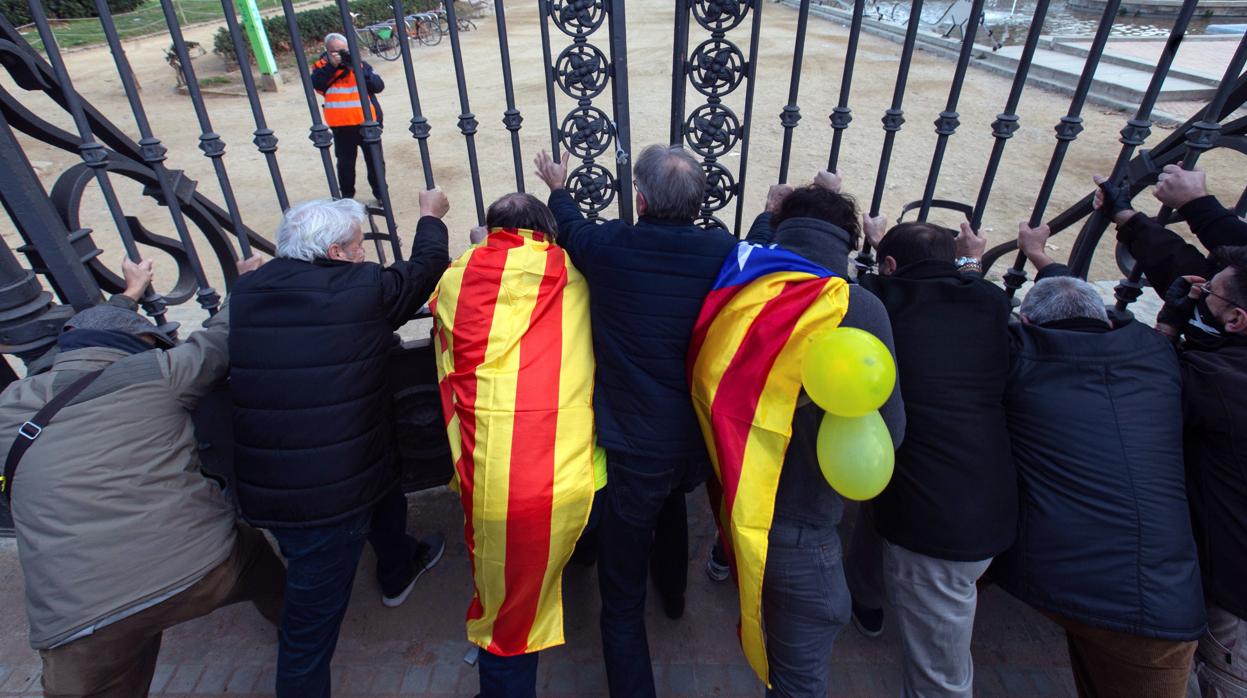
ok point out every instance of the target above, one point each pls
(583, 72)
(716, 67)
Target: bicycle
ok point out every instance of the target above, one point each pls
(423, 28)
(380, 39)
(464, 23)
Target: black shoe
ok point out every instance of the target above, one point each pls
(427, 556)
(673, 606)
(868, 621)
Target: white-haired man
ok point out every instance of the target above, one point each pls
(314, 440)
(333, 76)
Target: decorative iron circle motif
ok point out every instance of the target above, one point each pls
(580, 71)
(720, 187)
(592, 186)
(720, 15)
(712, 130)
(716, 67)
(707, 221)
(577, 18)
(586, 132)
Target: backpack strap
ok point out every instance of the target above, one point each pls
(30, 430)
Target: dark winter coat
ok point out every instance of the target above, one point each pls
(647, 283)
(1104, 534)
(309, 344)
(953, 495)
(1163, 255)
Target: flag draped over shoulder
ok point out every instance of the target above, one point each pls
(745, 372)
(515, 365)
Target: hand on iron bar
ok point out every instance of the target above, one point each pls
(970, 243)
(775, 196)
(478, 234)
(433, 202)
(249, 264)
(554, 174)
(1180, 300)
(138, 276)
(1032, 243)
(829, 180)
(1175, 187)
(1113, 200)
(873, 229)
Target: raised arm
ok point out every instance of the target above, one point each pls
(575, 232)
(407, 285)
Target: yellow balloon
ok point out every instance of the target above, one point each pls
(856, 454)
(848, 371)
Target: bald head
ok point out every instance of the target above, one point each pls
(521, 211)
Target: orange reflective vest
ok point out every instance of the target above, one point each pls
(341, 100)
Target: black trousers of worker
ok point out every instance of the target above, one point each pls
(347, 142)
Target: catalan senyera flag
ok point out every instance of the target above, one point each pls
(745, 372)
(515, 366)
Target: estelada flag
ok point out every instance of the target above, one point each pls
(515, 366)
(745, 373)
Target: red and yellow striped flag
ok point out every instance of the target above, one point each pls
(745, 371)
(515, 364)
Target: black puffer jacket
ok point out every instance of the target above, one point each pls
(647, 283)
(1104, 531)
(1214, 397)
(953, 495)
(309, 343)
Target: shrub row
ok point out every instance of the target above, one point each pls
(315, 24)
(18, 13)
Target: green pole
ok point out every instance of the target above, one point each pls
(259, 39)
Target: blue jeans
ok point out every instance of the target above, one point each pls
(320, 570)
(805, 604)
(637, 492)
(507, 677)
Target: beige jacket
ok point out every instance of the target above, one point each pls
(110, 506)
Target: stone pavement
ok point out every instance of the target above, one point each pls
(418, 648)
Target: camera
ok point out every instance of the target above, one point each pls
(345, 55)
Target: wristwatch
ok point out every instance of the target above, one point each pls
(966, 261)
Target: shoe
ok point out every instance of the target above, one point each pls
(673, 606)
(717, 571)
(427, 557)
(868, 621)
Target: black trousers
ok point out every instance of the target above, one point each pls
(643, 516)
(347, 142)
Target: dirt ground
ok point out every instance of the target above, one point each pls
(649, 25)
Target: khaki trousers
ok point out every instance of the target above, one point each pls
(1112, 664)
(118, 660)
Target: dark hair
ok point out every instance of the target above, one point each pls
(822, 204)
(521, 211)
(672, 182)
(916, 242)
(1234, 257)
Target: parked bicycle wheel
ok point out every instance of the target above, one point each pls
(466, 24)
(385, 42)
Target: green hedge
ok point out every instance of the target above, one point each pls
(315, 24)
(17, 12)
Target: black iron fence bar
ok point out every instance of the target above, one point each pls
(619, 95)
(467, 120)
(511, 117)
(1240, 208)
(210, 141)
(93, 154)
(419, 127)
(154, 155)
(1066, 131)
(319, 133)
(1133, 135)
(841, 115)
(370, 130)
(894, 117)
(948, 121)
(265, 140)
(1006, 122)
(679, 74)
(1201, 136)
(791, 113)
(543, 8)
(752, 71)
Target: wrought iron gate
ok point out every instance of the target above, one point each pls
(585, 62)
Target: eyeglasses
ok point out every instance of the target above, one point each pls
(1206, 289)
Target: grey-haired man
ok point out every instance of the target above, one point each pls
(119, 534)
